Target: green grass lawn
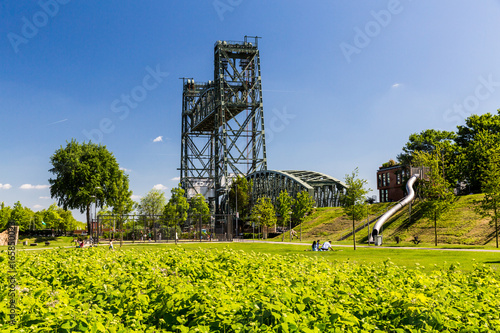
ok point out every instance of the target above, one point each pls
(426, 260)
(54, 242)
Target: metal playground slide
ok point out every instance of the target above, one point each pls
(406, 200)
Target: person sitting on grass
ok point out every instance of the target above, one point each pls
(314, 246)
(326, 246)
(317, 245)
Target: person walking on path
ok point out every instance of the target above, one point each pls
(111, 244)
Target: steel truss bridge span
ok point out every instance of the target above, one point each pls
(326, 190)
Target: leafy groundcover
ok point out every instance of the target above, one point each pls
(96, 290)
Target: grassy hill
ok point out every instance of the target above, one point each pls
(461, 225)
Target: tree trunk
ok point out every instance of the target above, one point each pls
(121, 231)
(435, 230)
(88, 219)
(353, 233)
(496, 225)
(282, 232)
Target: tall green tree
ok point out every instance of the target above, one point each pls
(473, 152)
(437, 192)
(354, 199)
(427, 141)
(84, 175)
(240, 189)
(122, 202)
(264, 212)
(152, 203)
(5, 212)
(22, 216)
(489, 206)
(176, 210)
(198, 206)
(51, 218)
(199, 210)
(69, 223)
(150, 206)
(284, 204)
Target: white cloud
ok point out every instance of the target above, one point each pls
(37, 207)
(44, 198)
(160, 187)
(176, 178)
(136, 197)
(396, 85)
(33, 187)
(158, 139)
(124, 169)
(5, 186)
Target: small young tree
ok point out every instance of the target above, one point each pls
(437, 193)
(489, 206)
(265, 209)
(199, 210)
(284, 204)
(176, 210)
(304, 204)
(354, 200)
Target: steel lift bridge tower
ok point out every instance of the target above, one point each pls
(223, 123)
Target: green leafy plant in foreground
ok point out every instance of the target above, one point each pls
(173, 290)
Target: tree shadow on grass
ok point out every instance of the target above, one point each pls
(41, 239)
(490, 237)
(492, 262)
(416, 214)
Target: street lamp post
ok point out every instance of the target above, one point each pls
(290, 224)
(368, 224)
(301, 229)
(200, 229)
(237, 210)
(96, 218)
(258, 221)
(253, 231)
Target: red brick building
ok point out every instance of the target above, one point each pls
(390, 183)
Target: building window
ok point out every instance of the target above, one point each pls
(388, 179)
(379, 180)
(384, 195)
(398, 178)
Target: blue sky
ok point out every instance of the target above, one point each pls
(344, 82)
